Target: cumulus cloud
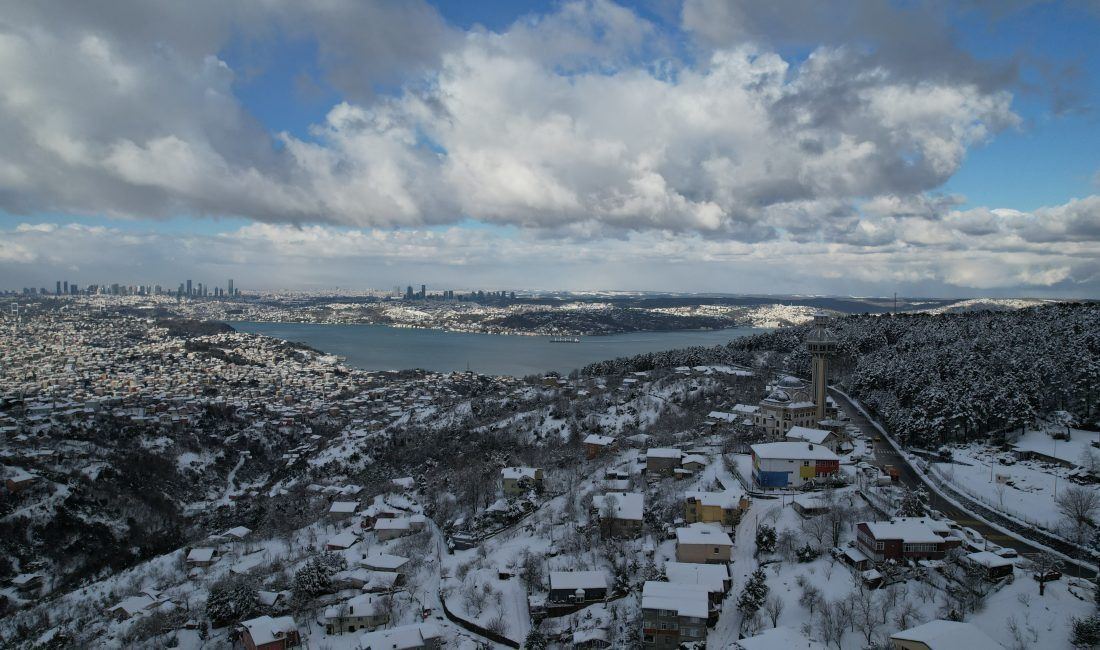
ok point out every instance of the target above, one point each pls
(558, 122)
(584, 133)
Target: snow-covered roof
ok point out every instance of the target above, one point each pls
(726, 500)
(400, 638)
(693, 458)
(361, 605)
(240, 532)
(989, 559)
(200, 555)
(908, 531)
(344, 507)
(343, 540)
(662, 452)
(711, 576)
(778, 638)
(595, 439)
(948, 635)
(685, 600)
(135, 604)
(700, 533)
(385, 561)
(793, 451)
(745, 409)
(628, 505)
(265, 629)
(518, 473)
(578, 580)
(392, 523)
(816, 436)
(719, 415)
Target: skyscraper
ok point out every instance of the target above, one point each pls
(231, 287)
(409, 292)
(58, 292)
(423, 291)
(189, 287)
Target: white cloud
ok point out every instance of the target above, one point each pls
(556, 121)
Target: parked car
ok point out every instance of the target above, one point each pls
(1005, 551)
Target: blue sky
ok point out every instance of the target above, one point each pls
(925, 148)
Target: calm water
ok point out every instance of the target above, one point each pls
(378, 347)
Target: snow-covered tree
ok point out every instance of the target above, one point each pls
(754, 594)
(765, 539)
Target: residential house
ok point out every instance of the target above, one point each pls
(723, 508)
(267, 633)
(363, 612)
(703, 543)
(821, 437)
(342, 509)
(516, 481)
(133, 606)
(387, 529)
(943, 635)
(27, 584)
(715, 578)
(994, 566)
(791, 464)
(661, 461)
(341, 541)
(202, 556)
(595, 444)
(905, 538)
(578, 586)
(810, 505)
(693, 462)
(384, 562)
(20, 481)
(620, 513)
(673, 614)
(418, 636)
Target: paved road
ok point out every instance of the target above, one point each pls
(886, 455)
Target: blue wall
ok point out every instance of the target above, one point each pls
(770, 479)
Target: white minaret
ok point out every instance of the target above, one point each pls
(822, 344)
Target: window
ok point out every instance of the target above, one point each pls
(879, 546)
(716, 550)
(805, 463)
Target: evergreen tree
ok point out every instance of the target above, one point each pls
(765, 539)
(1085, 632)
(535, 640)
(754, 594)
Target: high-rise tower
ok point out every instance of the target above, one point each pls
(822, 344)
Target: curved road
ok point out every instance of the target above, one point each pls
(886, 455)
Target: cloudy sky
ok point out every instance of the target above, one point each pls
(852, 147)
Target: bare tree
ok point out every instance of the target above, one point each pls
(774, 608)
(1078, 505)
(865, 611)
(831, 624)
(1046, 568)
(811, 598)
(907, 614)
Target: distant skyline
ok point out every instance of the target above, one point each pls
(850, 148)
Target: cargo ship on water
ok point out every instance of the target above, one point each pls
(564, 339)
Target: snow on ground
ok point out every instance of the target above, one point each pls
(1023, 489)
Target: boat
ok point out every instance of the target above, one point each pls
(564, 339)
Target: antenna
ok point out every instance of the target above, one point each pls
(895, 302)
